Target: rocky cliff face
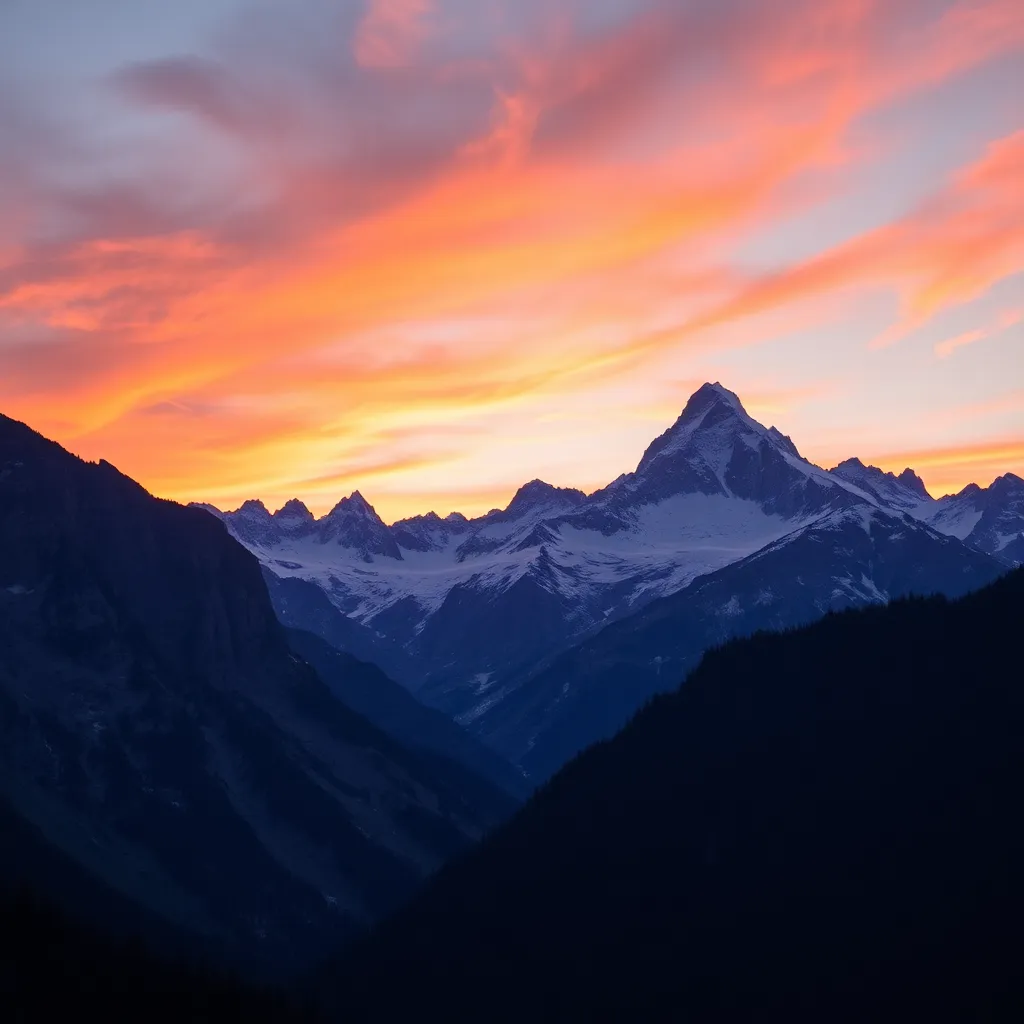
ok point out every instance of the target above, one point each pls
(157, 728)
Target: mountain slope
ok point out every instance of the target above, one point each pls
(156, 729)
(389, 706)
(303, 605)
(818, 825)
(987, 519)
(475, 612)
(845, 559)
(468, 601)
(54, 968)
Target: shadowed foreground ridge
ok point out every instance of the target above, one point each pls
(823, 822)
(56, 968)
(161, 743)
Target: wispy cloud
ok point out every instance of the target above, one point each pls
(391, 32)
(947, 470)
(289, 226)
(1007, 319)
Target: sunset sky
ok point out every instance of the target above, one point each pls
(431, 249)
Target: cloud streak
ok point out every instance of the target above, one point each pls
(316, 234)
(391, 32)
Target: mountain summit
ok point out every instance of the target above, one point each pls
(354, 524)
(716, 448)
(538, 494)
(477, 608)
(294, 515)
(906, 491)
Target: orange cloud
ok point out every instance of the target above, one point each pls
(954, 248)
(1007, 319)
(391, 31)
(944, 349)
(574, 190)
(947, 470)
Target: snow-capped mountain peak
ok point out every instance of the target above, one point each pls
(716, 448)
(913, 482)
(1009, 486)
(990, 519)
(251, 523)
(293, 514)
(429, 532)
(253, 509)
(712, 408)
(354, 524)
(708, 396)
(355, 504)
(538, 494)
(464, 599)
(906, 491)
(784, 441)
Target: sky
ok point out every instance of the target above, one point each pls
(432, 249)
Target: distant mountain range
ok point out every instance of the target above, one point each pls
(480, 617)
(209, 749)
(819, 825)
(168, 760)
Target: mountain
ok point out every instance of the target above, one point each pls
(905, 492)
(988, 519)
(818, 825)
(301, 604)
(76, 946)
(465, 612)
(365, 689)
(54, 968)
(159, 734)
(465, 600)
(844, 559)
(716, 449)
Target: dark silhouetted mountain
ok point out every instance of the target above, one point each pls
(818, 825)
(74, 947)
(158, 731)
(56, 968)
(302, 604)
(365, 689)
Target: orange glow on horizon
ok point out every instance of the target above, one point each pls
(520, 233)
(950, 470)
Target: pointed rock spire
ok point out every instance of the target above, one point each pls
(710, 396)
(253, 508)
(913, 482)
(711, 405)
(538, 494)
(293, 509)
(354, 523)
